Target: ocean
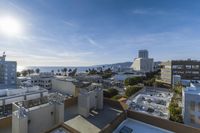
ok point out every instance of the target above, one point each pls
(54, 68)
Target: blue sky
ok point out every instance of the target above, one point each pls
(90, 32)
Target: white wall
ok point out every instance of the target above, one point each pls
(64, 87)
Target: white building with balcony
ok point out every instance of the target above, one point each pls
(191, 105)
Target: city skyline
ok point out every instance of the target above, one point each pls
(77, 33)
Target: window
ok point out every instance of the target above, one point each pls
(177, 66)
(192, 105)
(188, 66)
(188, 72)
(199, 107)
(195, 72)
(192, 119)
(126, 129)
(195, 66)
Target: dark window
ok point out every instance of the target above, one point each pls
(125, 129)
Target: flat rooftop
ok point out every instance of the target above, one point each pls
(134, 126)
(192, 90)
(151, 101)
(98, 118)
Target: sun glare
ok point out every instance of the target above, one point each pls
(10, 26)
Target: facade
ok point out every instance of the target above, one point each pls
(7, 72)
(187, 69)
(143, 54)
(42, 80)
(65, 86)
(191, 105)
(130, 125)
(143, 63)
(38, 117)
(90, 98)
(8, 96)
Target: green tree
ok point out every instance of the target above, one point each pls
(30, 71)
(73, 73)
(175, 112)
(133, 81)
(130, 90)
(65, 71)
(18, 74)
(110, 92)
(37, 70)
(24, 73)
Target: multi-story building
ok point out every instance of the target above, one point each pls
(143, 54)
(143, 63)
(42, 80)
(65, 86)
(90, 98)
(187, 69)
(191, 105)
(8, 96)
(38, 115)
(7, 72)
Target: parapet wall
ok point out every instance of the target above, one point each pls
(71, 101)
(162, 123)
(6, 122)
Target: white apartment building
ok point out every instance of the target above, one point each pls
(7, 72)
(191, 105)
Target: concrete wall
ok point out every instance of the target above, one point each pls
(188, 112)
(64, 87)
(41, 119)
(162, 123)
(38, 119)
(5, 122)
(109, 128)
(71, 102)
(90, 100)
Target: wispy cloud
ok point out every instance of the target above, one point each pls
(93, 42)
(148, 11)
(68, 23)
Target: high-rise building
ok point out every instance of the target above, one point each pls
(143, 63)
(143, 54)
(7, 72)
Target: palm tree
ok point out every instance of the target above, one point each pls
(65, 71)
(52, 71)
(37, 70)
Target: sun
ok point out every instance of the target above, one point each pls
(10, 26)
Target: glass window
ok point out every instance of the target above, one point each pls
(195, 72)
(195, 66)
(199, 107)
(188, 66)
(177, 66)
(192, 119)
(192, 105)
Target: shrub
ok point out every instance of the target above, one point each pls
(130, 90)
(116, 97)
(110, 92)
(133, 81)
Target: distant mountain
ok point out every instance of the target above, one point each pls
(121, 65)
